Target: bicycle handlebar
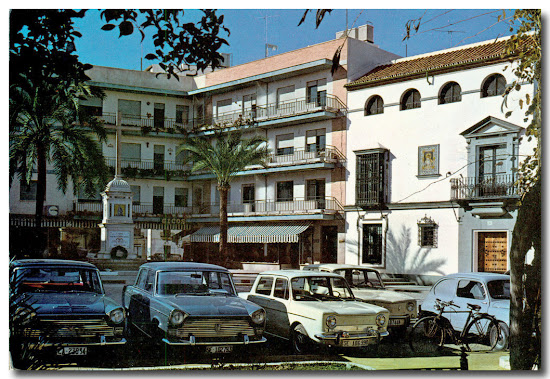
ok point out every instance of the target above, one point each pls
(446, 303)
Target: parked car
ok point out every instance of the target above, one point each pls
(319, 307)
(192, 304)
(367, 286)
(60, 305)
(488, 290)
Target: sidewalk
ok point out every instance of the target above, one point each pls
(490, 361)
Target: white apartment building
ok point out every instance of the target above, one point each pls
(431, 160)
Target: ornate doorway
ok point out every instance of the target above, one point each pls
(492, 251)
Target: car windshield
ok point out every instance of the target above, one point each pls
(319, 288)
(194, 283)
(57, 279)
(499, 289)
(361, 278)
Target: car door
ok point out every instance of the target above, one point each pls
(133, 298)
(468, 291)
(444, 290)
(261, 295)
(279, 307)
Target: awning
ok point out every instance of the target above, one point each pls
(274, 233)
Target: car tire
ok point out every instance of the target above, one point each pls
(504, 339)
(300, 341)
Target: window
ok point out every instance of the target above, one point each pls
(285, 99)
(223, 106)
(492, 171)
(450, 93)
(285, 144)
(281, 288)
(83, 196)
(27, 191)
(316, 140)
(370, 182)
(427, 232)
(285, 191)
(470, 289)
(136, 191)
(374, 105)
(92, 106)
(130, 152)
(372, 244)
(445, 289)
(410, 100)
(316, 92)
(131, 111)
(158, 200)
(315, 190)
(181, 197)
(249, 106)
(264, 285)
(182, 114)
(158, 115)
(494, 85)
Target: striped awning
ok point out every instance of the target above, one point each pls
(274, 233)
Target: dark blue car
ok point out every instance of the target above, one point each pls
(59, 306)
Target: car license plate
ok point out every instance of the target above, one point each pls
(219, 349)
(397, 321)
(76, 350)
(355, 343)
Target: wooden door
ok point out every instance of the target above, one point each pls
(492, 252)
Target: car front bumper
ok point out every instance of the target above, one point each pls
(192, 341)
(60, 343)
(337, 339)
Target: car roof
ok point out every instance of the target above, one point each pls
(336, 266)
(50, 262)
(479, 275)
(162, 266)
(298, 273)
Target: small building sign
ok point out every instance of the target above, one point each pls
(119, 238)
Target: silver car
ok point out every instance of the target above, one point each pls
(192, 304)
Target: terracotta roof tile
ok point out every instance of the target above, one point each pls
(434, 62)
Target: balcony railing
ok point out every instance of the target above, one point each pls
(327, 205)
(148, 123)
(327, 154)
(496, 186)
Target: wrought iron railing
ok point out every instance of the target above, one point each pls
(325, 205)
(328, 154)
(494, 186)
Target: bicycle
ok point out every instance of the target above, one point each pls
(430, 333)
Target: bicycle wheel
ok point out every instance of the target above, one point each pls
(478, 334)
(427, 335)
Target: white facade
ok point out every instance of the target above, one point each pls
(411, 196)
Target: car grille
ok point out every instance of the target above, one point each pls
(214, 327)
(66, 328)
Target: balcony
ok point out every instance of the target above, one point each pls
(297, 206)
(143, 168)
(494, 187)
(148, 123)
(328, 154)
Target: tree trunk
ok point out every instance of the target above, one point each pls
(40, 198)
(223, 254)
(526, 234)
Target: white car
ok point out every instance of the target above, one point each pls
(488, 290)
(309, 306)
(367, 286)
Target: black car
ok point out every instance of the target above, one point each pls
(59, 307)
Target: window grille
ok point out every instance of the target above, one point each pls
(427, 232)
(370, 179)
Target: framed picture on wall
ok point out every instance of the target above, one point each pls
(428, 160)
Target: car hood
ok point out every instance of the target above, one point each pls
(382, 296)
(60, 303)
(217, 305)
(340, 307)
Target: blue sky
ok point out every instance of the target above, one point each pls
(440, 29)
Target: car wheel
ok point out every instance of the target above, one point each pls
(300, 340)
(503, 339)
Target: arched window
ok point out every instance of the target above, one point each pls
(410, 100)
(374, 105)
(450, 93)
(494, 85)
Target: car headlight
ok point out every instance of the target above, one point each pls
(381, 320)
(410, 306)
(331, 322)
(258, 317)
(177, 317)
(117, 316)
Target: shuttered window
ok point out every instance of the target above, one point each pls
(372, 244)
(370, 186)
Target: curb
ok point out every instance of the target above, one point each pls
(504, 362)
(212, 367)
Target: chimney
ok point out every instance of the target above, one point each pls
(362, 33)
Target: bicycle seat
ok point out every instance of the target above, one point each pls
(474, 307)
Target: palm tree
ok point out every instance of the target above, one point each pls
(224, 155)
(46, 127)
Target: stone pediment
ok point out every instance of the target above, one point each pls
(491, 126)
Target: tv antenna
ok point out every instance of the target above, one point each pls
(267, 45)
